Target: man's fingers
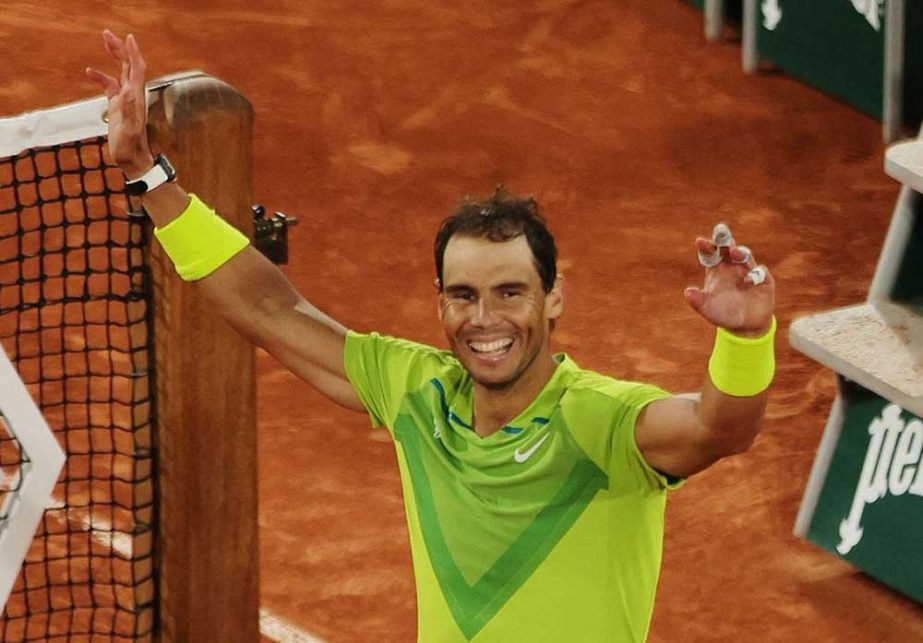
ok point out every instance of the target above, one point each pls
(722, 237)
(712, 251)
(126, 69)
(757, 276)
(705, 245)
(131, 82)
(134, 54)
(722, 244)
(138, 67)
(114, 45)
(741, 255)
(108, 84)
(709, 254)
(118, 50)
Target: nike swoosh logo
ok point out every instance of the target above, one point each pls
(522, 456)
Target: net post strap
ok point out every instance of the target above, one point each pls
(72, 122)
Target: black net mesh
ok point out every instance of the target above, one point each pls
(74, 310)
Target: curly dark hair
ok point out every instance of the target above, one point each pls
(502, 217)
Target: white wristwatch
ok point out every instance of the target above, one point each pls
(162, 172)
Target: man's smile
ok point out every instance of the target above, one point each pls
(491, 348)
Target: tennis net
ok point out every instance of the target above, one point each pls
(138, 542)
(74, 307)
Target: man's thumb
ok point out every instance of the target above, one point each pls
(695, 298)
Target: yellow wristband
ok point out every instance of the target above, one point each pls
(199, 241)
(743, 366)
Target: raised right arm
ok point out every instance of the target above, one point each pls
(249, 292)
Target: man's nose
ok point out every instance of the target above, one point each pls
(485, 312)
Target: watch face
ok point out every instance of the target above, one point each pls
(164, 162)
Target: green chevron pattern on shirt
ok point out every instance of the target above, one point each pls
(477, 580)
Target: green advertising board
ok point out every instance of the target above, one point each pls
(835, 45)
(870, 509)
(838, 46)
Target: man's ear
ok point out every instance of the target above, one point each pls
(440, 303)
(554, 301)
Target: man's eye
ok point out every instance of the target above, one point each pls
(463, 296)
(509, 294)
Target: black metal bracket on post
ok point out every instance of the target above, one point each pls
(270, 236)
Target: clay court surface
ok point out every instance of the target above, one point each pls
(374, 118)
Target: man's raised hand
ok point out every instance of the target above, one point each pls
(738, 294)
(127, 112)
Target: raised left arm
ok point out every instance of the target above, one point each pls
(683, 435)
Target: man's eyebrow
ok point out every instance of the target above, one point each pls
(506, 285)
(458, 287)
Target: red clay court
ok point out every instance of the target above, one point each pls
(373, 119)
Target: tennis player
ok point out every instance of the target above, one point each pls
(535, 490)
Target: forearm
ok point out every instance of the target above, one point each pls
(731, 422)
(255, 298)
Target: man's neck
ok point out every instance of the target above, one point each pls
(494, 408)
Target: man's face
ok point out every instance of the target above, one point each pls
(495, 313)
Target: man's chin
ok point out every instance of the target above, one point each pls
(493, 379)
(496, 375)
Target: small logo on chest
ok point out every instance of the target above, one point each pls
(522, 456)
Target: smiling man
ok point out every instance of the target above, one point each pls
(499, 296)
(535, 490)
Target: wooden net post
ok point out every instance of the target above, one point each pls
(207, 542)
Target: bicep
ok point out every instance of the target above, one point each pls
(672, 439)
(256, 299)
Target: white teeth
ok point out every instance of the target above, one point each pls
(490, 347)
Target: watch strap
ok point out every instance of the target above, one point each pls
(161, 173)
